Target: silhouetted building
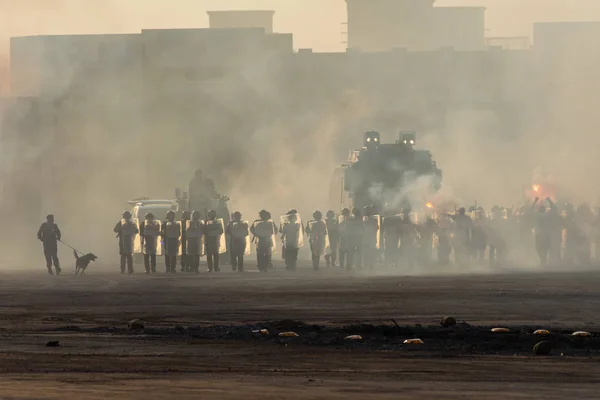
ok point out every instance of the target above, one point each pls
(381, 25)
(242, 19)
(566, 37)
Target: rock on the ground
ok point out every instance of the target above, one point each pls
(542, 348)
(136, 325)
(448, 322)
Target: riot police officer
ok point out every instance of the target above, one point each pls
(149, 235)
(316, 230)
(185, 263)
(171, 234)
(333, 230)
(291, 230)
(195, 241)
(212, 240)
(264, 231)
(238, 231)
(346, 248)
(126, 230)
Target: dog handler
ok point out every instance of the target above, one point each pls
(49, 235)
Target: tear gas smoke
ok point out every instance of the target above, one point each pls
(270, 130)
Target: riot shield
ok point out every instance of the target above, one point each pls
(195, 238)
(265, 229)
(152, 243)
(240, 230)
(129, 236)
(372, 231)
(318, 236)
(215, 228)
(173, 234)
(292, 232)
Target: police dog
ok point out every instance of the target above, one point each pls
(82, 262)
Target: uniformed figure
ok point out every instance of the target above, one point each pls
(495, 229)
(584, 220)
(463, 232)
(370, 242)
(542, 233)
(195, 241)
(426, 232)
(127, 231)
(356, 235)
(49, 235)
(264, 231)
(479, 240)
(151, 246)
(212, 240)
(391, 227)
(238, 231)
(346, 248)
(333, 230)
(444, 235)
(171, 234)
(292, 236)
(316, 230)
(409, 238)
(185, 262)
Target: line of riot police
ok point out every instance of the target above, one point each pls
(364, 239)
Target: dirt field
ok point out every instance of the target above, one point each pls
(198, 341)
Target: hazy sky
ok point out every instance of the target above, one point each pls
(314, 23)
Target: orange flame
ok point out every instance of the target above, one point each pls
(536, 188)
(429, 205)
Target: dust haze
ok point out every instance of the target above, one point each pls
(270, 133)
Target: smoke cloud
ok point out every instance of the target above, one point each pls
(271, 132)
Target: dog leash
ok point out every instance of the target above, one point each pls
(72, 248)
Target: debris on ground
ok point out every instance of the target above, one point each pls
(448, 322)
(353, 337)
(136, 325)
(542, 348)
(288, 334)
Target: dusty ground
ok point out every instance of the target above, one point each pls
(198, 341)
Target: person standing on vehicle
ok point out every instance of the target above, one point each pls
(50, 235)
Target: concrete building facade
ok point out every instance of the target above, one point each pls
(242, 19)
(381, 25)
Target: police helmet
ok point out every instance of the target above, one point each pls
(212, 214)
(170, 214)
(196, 214)
(461, 211)
(345, 212)
(263, 214)
(317, 215)
(150, 216)
(237, 215)
(330, 214)
(185, 215)
(126, 214)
